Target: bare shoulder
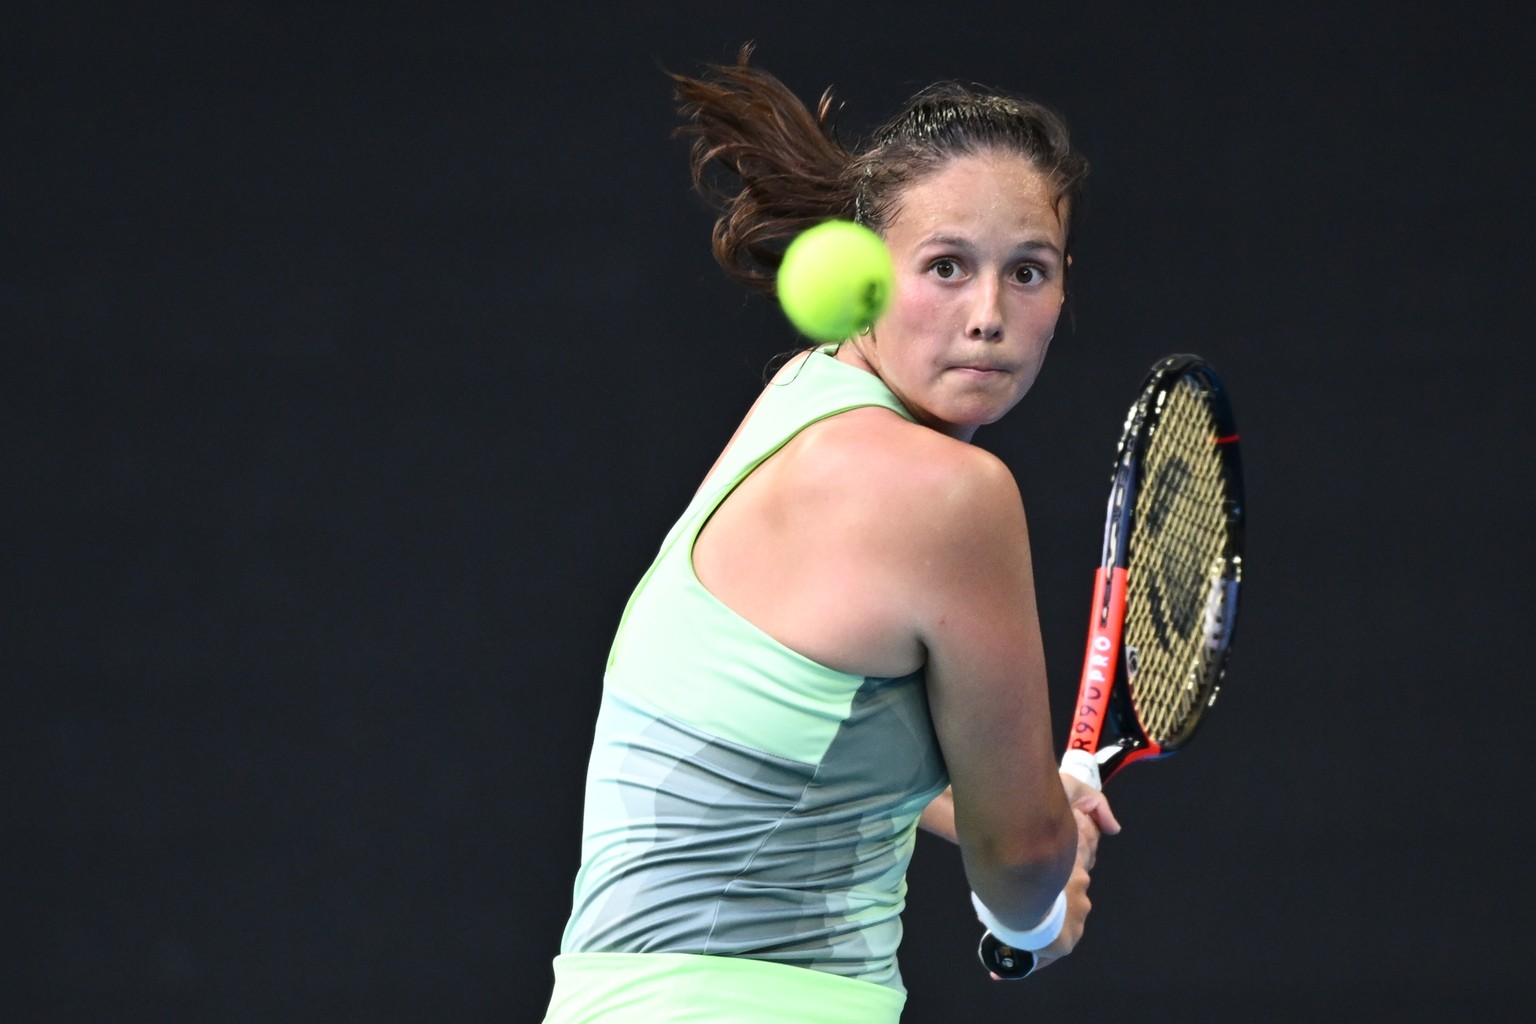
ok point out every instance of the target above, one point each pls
(937, 522)
(894, 529)
(921, 480)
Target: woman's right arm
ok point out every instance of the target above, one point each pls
(974, 612)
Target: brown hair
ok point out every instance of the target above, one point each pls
(772, 168)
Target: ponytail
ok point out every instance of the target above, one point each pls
(784, 169)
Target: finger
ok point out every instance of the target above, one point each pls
(1099, 810)
(1087, 827)
(1088, 847)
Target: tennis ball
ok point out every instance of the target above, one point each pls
(836, 279)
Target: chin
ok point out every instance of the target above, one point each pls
(969, 422)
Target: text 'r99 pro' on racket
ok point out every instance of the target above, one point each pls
(1165, 593)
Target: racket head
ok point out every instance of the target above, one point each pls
(1175, 530)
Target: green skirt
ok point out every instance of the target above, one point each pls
(679, 988)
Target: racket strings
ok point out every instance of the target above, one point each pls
(1175, 594)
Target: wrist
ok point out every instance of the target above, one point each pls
(1032, 939)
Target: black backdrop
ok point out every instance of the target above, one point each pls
(356, 362)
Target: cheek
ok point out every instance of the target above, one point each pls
(915, 307)
(1048, 321)
(1040, 317)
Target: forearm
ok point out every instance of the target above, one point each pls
(1030, 886)
(1019, 882)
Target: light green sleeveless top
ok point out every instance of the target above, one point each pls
(744, 801)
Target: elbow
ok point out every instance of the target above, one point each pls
(1046, 852)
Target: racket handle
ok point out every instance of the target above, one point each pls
(1012, 957)
(1004, 962)
(1081, 764)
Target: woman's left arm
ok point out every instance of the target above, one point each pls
(939, 816)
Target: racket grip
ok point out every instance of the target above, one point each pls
(1081, 764)
(1003, 962)
(1008, 954)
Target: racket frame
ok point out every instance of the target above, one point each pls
(1103, 693)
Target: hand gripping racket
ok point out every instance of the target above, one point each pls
(1165, 593)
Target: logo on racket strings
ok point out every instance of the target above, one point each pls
(1158, 523)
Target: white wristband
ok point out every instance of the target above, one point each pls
(1036, 938)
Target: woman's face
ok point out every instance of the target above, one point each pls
(979, 249)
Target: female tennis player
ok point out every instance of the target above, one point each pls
(839, 636)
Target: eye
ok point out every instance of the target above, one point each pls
(1028, 273)
(945, 268)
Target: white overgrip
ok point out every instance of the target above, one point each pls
(1081, 764)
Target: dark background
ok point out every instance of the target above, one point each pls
(355, 363)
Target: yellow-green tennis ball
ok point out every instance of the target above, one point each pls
(836, 279)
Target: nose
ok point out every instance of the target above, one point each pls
(985, 317)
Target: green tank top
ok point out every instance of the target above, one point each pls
(743, 800)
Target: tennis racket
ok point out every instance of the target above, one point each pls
(1165, 593)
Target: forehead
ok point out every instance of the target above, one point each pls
(987, 190)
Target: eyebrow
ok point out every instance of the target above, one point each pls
(1034, 245)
